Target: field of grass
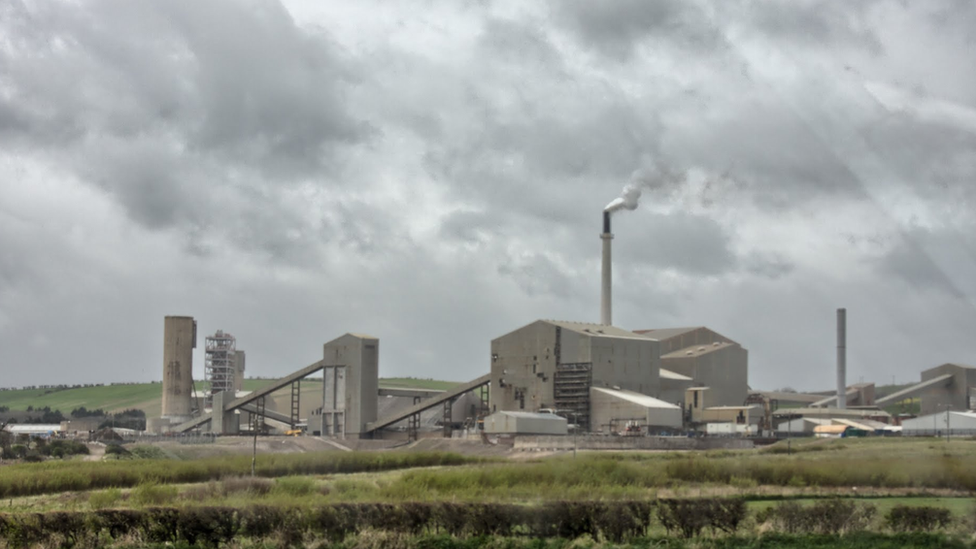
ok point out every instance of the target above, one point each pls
(110, 398)
(433, 500)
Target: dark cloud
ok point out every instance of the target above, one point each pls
(816, 23)
(152, 101)
(912, 260)
(616, 29)
(692, 244)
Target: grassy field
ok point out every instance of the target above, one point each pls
(148, 396)
(874, 474)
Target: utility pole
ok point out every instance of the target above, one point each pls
(948, 428)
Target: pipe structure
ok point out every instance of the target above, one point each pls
(842, 358)
(606, 279)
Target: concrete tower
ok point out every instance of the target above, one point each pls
(179, 340)
(350, 384)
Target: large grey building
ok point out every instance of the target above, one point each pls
(552, 364)
(953, 387)
(709, 358)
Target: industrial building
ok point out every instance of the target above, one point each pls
(602, 379)
(951, 423)
(551, 364)
(708, 358)
(606, 379)
(525, 423)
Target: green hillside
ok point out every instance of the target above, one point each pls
(148, 396)
(108, 397)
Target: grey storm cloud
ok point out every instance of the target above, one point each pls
(434, 173)
(231, 84)
(616, 29)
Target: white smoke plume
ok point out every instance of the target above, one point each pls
(650, 176)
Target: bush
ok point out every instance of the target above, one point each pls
(116, 450)
(690, 516)
(147, 452)
(61, 448)
(104, 498)
(153, 493)
(834, 516)
(903, 518)
(294, 486)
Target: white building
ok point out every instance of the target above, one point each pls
(957, 423)
(525, 423)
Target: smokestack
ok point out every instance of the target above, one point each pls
(842, 358)
(606, 280)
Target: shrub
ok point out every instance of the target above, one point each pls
(681, 516)
(147, 452)
(116, 450)
(153, 493)
(294, 486)
(104, 498)
(832, 516)
(903, 518)
(207, 526)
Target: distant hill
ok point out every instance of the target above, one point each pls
(148, 396)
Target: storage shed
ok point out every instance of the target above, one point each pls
(525, 423)
(957, 423)
(615, 408)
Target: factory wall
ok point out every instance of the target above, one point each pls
(673, 390)
(723, 370)
(525, 359)
(954, 394)
(631, 364)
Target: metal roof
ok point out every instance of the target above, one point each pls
(531, 415)
(830, 412)
(697, 350)
(831, 429)
(594, 330)
(662, 334)
(668, 374)
(33, 428)
(719, 408)
(637, 398)
(862, 425)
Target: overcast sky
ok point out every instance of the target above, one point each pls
(433, 173)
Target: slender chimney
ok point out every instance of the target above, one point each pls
(842, 358)
(606, 280)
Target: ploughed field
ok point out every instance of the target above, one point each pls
(838, 493)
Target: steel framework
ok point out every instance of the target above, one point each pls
(220, 366)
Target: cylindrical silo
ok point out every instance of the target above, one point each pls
(179, 339)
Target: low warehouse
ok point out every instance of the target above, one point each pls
(956, 423)
(614, 410)
(525, 423)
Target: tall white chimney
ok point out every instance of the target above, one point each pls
(606, 280)
(842, 358)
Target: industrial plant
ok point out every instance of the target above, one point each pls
(550, 377)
